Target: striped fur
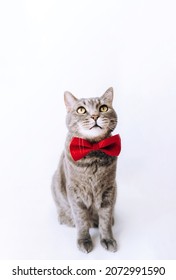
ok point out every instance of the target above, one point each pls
(85, 190)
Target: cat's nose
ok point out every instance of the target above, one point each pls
(94, 117)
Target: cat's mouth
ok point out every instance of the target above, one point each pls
(95, 125)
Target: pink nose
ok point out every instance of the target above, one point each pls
(94, 117)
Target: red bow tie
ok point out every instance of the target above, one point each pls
(79, 147)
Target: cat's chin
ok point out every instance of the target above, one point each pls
(94, 134)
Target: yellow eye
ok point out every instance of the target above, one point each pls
(81, 110)
(103, 108)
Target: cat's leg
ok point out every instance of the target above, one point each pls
(106, 219)
(81, 217)
(105, 227)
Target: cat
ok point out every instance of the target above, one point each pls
(84, 190)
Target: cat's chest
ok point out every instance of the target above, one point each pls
(90, 184)
(90, 192)
(94, 172)
(90, 177)
(95, 163)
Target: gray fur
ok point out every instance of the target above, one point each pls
(85, 190)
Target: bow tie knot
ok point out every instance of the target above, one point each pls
(79, 147)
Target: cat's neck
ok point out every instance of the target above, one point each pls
(92, 140)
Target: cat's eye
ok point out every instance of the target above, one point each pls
(103, 108)
(81, 110)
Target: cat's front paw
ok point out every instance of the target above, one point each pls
(109, 244)
(85, 245)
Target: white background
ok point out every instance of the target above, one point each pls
(47, 47)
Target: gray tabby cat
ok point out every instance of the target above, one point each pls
(85, 190)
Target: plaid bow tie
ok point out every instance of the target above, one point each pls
(79, 147)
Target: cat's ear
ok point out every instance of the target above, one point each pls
(107, 97)
(70, 100)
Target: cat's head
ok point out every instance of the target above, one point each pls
(90, 118)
